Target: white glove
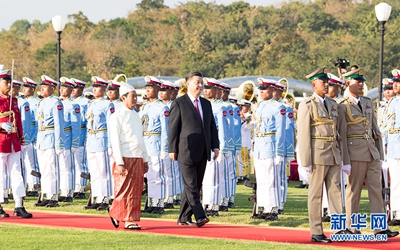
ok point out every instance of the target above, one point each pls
(289, 159)
(381, 162)
(109, 151)
(7, 127)
(278, 159)
(58, 151)
(73, 150)
(346, 169)
(308, 169)
(228, 155)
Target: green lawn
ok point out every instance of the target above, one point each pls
(50, 238)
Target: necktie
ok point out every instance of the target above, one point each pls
(326, 107)
(359, 105)
(196, 105)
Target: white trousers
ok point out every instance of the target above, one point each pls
(283, 180)
(50, 171)
(232, 174)
(212, 186)
(10, 162)
(29, 160)
(177, 178)
(80, 162)
(156, 177)
(268, 189)
(67, 172)
(394, 168)
(100, 174)
(169, 177)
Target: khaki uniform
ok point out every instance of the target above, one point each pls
(362, 149)
(317, 132)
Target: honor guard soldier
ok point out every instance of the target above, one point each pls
(214, 183)
(30, 155)
(11, 140)
(393, 144)
(243, 170)
(26, 125)
(50, 141)
(72, 132)
(317, 133)
(173, 182)
(235, 141)
(154, 116)
(79, 156)
(113, 90)
(362, 149)
(98, 146)
(280, 88)
(269, 149)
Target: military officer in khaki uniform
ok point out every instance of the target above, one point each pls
(362, 148)
(319, 150)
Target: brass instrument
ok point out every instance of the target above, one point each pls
(183, 89)
(247, 91)
(285, 82)
(121, 78)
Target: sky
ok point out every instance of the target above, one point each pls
(95, 10)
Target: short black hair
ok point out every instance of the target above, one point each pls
(193, 73)
(354, 66)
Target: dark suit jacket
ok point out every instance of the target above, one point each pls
(188, 136)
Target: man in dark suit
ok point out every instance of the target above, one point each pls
(191, 137)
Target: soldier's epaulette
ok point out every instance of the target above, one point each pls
(341, 100)
(365, 97)
(308, 99)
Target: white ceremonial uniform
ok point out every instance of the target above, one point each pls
(154, 117)
(97, 144)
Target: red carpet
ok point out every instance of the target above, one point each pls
(211, 230)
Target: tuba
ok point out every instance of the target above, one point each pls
(284, 82)
(183, 89)
(121, 78)
(247, 91)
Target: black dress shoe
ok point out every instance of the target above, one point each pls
(271, 216)
(32, 193)
(223, 208)
(61, 198)
(68, 199)
(345, 231)
(103, 206)
(187, 223)
(79, 195)
(231, 205)
(42, 203)
(20, 211)
(5, 200)
(3, 213)
(259, 216)
(93, 206)
(301, 186)
(201, 222)
(148, 210)
(158, 210)
(52, 204)
(177, 202)
(394, 223)
(320, 238)
(280, 211)
(326, 218)
(388, 233)
(168, 205)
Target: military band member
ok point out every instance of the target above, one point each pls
(214, 185)
(382, 110)
(72, 132)
(393, 144)
(11, 140)
(113, 92)
(50, 141)
(79, 156)
(154, 116)
(26, 125)
(362, 148)
(269, 149)
(98, 147)
(243, 169)
(172, 182)
(317, 133)
(278, 90)
(30, 155)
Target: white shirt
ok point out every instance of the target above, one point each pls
(126, 135)
(192, 98)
